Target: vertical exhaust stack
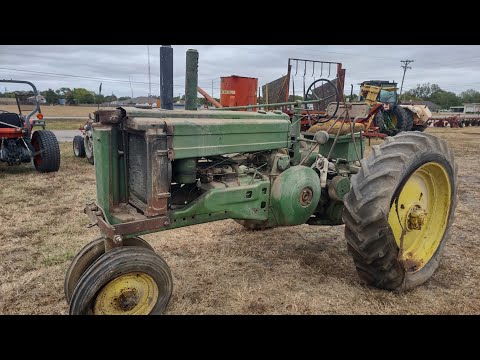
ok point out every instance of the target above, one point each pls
(191, 80)
(166, 77)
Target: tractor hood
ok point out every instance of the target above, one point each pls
(205, 132)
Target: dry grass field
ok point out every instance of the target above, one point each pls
(57, 110)
(221, 268)
(65, 124)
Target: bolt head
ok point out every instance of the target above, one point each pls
(117, 239)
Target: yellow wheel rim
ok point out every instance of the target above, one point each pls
(130, 294)
(419, 216)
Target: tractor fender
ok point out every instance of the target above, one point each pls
(420, 113)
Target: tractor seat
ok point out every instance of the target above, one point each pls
(11, 119)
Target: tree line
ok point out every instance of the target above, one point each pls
(84, 96)
(71, 96)
(444, 99)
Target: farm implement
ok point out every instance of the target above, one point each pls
(386, 116)
(159, 169)
(455, 120)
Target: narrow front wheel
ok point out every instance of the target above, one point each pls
(124, 281)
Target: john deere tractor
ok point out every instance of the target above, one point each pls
(393, 117)
(83, 144)
(161, 169)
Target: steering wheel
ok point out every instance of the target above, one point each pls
(332, 90)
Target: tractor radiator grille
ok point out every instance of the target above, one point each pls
(137, 167)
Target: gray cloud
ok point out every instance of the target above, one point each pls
(453, 68)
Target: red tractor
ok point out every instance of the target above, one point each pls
(19, 143)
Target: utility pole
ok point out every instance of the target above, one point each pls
(212, 91)
(160, 74)
(131, 88)
(149, 78)
(405, 67)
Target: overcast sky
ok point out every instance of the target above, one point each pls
(453, 68)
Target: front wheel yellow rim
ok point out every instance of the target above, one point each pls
(134, 293)
(419, 215)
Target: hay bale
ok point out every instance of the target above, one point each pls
(345, 130)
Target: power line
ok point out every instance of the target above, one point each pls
(73, 76)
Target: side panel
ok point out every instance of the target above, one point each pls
(249, 201)
(103, 172)
(109, 167)
(207, 137)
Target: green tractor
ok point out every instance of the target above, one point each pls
(162, 169)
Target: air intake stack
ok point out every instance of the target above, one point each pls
(191, 80)
(166, 77)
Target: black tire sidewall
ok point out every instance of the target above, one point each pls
(378, 120)
(78, 143)
(94, 249)
(88, 154)
(110, 266)
(80, 263)
(404, 122)
(48, 142)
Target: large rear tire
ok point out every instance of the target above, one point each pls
(47, 158)
(401, 118)
(378, 120)
(399, 210)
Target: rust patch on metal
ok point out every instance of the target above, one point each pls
(306, 196)
(110, 116)
(110, 231)
(127, 300)
(131, 227)
(416, 218)
(169, 129)
(410, 264)
(159, 184)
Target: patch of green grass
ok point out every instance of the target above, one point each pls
(64, 124)
(55, 259)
